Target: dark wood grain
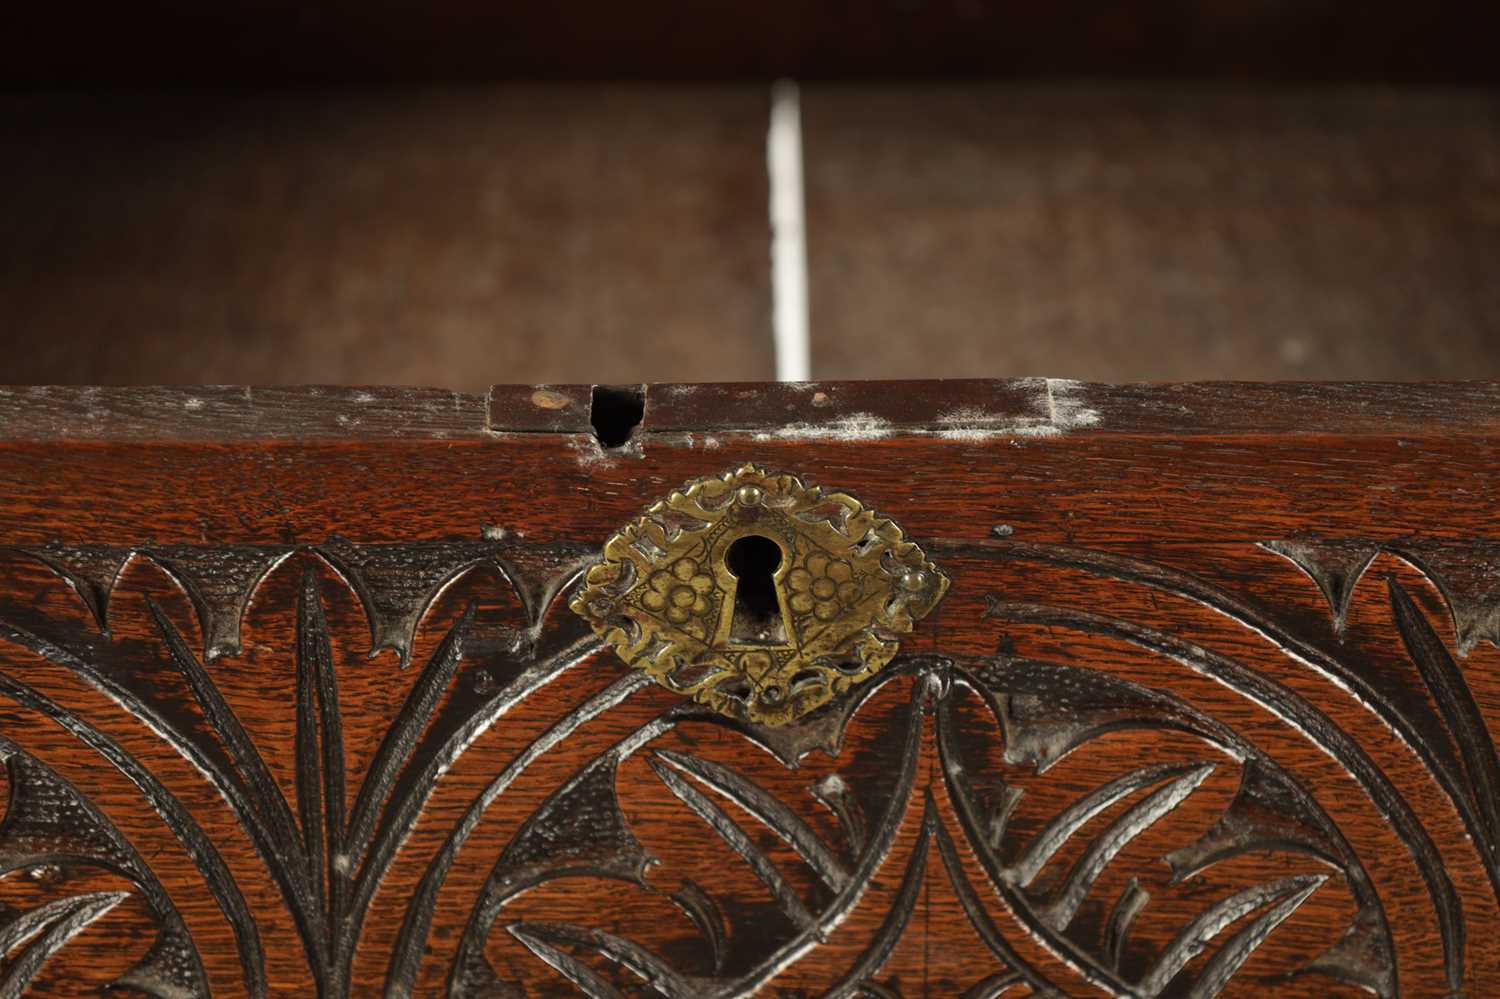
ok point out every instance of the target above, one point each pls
(1121, 233)
(619, 233)
(425, 237)
(1209, 707)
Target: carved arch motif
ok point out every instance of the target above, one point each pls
(943, 778)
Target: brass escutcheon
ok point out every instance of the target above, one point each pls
(757, 595)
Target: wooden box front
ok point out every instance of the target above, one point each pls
(292, 701)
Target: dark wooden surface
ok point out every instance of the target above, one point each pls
(1162, 233)
(251, 686)
(619, 233)
(239, 43)
(405, 237)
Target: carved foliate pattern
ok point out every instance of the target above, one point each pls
(848, 586)
(937, 779)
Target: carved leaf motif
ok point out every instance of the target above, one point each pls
(581, 832)
(760, 804)
(547, 939)
(1336, 566)
(327, 863)
(1461, 714)
(787, 898)
(1412, 719)
(807, 823)
(52, 925)
(1048, 711)
(1050, 874)
(579, 829)
(396, 582)
(90, 569)
(48, 821)
(220, 579)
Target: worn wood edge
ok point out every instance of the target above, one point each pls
(973, 409)
(977, 409)
(959, 409)
(233, 412)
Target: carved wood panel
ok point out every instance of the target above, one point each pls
(1200, 715)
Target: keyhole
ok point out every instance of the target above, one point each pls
(757, 612)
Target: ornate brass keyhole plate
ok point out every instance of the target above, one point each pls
(757, 595)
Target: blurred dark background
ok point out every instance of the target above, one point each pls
(455, 193)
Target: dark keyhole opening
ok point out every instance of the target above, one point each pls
(615, 411)
(757, 613)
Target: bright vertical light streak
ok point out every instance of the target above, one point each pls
(788, 235)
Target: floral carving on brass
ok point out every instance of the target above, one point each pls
(769, 640)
